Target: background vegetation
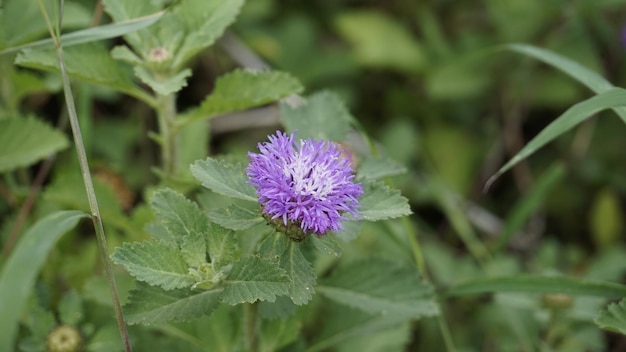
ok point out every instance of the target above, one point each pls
(433, 83)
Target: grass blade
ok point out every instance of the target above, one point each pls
(21, 269)
(92, 34)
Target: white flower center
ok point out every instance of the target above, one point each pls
(308, 177)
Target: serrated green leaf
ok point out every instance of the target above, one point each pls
(179, 215)
(243, 89)
(540, 284)
(154, 262)
(123, 53)
(296, 266)
(255, 279)
(91, 34)
(351, 230)
(377, 167)
(186, 29)
(153, 305)
(235, 217)
(205, 21)
(613, 317)
(300, 271)
(166, 85)
(378, 286)
(20, 269)
(614, 97)
(222, 245)
(380, 202)
(24, 141)
(121, 11)
(323, 116)
(327, 244)
(88, 62)
(224, 178)
(186, 223)
(591, 79)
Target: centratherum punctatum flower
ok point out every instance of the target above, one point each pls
(304, 187)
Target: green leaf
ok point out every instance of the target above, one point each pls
(540, 284)
(252, 279)
(204, 21)
(613, 317)
(395, 338)
(282, 308)
(322, 116)
(381, 41)
(91, 34)
(224, 178)
(185, 222)
(193, 144)
(71, 308)
(153, 305)
(380, 202)
(219, 332)
(222, 245)
(327, 244)
(378, 286)
(22, 21)
(121, 10)
(578, 113)
(278, 333)
(24, 141)
(123, 53)
(154, 262)
(25, 83)
(163, 85)
(589, 78)
(297, 267)
(236, 217)
(343, 324)
(243, 89)
(88, 62)
(21, 268)
(187, 28)
(378, 167)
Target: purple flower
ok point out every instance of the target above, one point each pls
(304, 187)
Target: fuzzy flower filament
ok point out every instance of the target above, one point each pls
(305, 187)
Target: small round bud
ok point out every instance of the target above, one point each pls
(159, 54)
(64, 338)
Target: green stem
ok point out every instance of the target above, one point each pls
(166, 114)
(251, 327)
(89, 188)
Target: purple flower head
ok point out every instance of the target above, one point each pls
(304, 187)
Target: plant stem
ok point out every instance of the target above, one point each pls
(250, 316)
(84, 166)
(166, 114)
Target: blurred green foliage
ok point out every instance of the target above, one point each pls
(431, 83)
